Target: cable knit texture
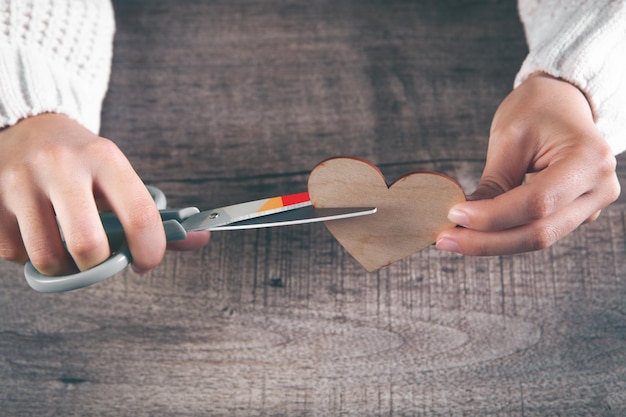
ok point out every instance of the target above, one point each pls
(55, 56)
(584, 43)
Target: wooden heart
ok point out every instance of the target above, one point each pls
(411, 212)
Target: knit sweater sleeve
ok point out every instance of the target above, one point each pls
(584, 43)
(55, 56)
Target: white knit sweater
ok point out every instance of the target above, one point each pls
(55, 56)
(583, 42)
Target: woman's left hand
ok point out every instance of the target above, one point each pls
(548, 170)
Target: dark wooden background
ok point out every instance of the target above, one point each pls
(219, 102)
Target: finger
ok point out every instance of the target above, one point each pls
(69, 187)
(135, 209)
(195, 240)
(11, 246)
(593, 217)
(548, 192)
(505, 167)
(537, 235)
(487, 188)
(41, 236)
(142, 224)
(79, 220)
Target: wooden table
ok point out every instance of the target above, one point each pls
(223, 101)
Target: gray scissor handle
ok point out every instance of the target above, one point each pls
(108, 268)
(115, 264)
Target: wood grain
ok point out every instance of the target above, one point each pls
(224, 101)
(411, 211)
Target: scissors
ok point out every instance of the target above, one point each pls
(276, 211)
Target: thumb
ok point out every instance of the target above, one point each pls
(488, 188)
(505, 169)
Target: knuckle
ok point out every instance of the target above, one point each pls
(146, 263)
(109, 150)
(46, 260)
(481, 250)
(13, 253)
(515, 129)
(105, 145)
(541, 205)
(543, 237)
(52, 154)
(143, 216)
(83, 246)
(607, 163)
(14, 177)
(614, 189)
(145, 260)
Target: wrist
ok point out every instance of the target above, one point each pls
(562, 85)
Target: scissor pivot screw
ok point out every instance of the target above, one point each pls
(213, 216)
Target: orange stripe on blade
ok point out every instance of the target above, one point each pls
(271, 204)
(284, 201)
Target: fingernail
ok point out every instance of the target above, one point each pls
(448, 245)
(458, 217)
(139, 271)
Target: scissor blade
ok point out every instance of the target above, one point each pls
(209, 220)
(263, 207)
(301, 215)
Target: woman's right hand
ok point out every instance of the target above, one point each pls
(52, 170)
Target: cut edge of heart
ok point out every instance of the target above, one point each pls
(360, 236)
